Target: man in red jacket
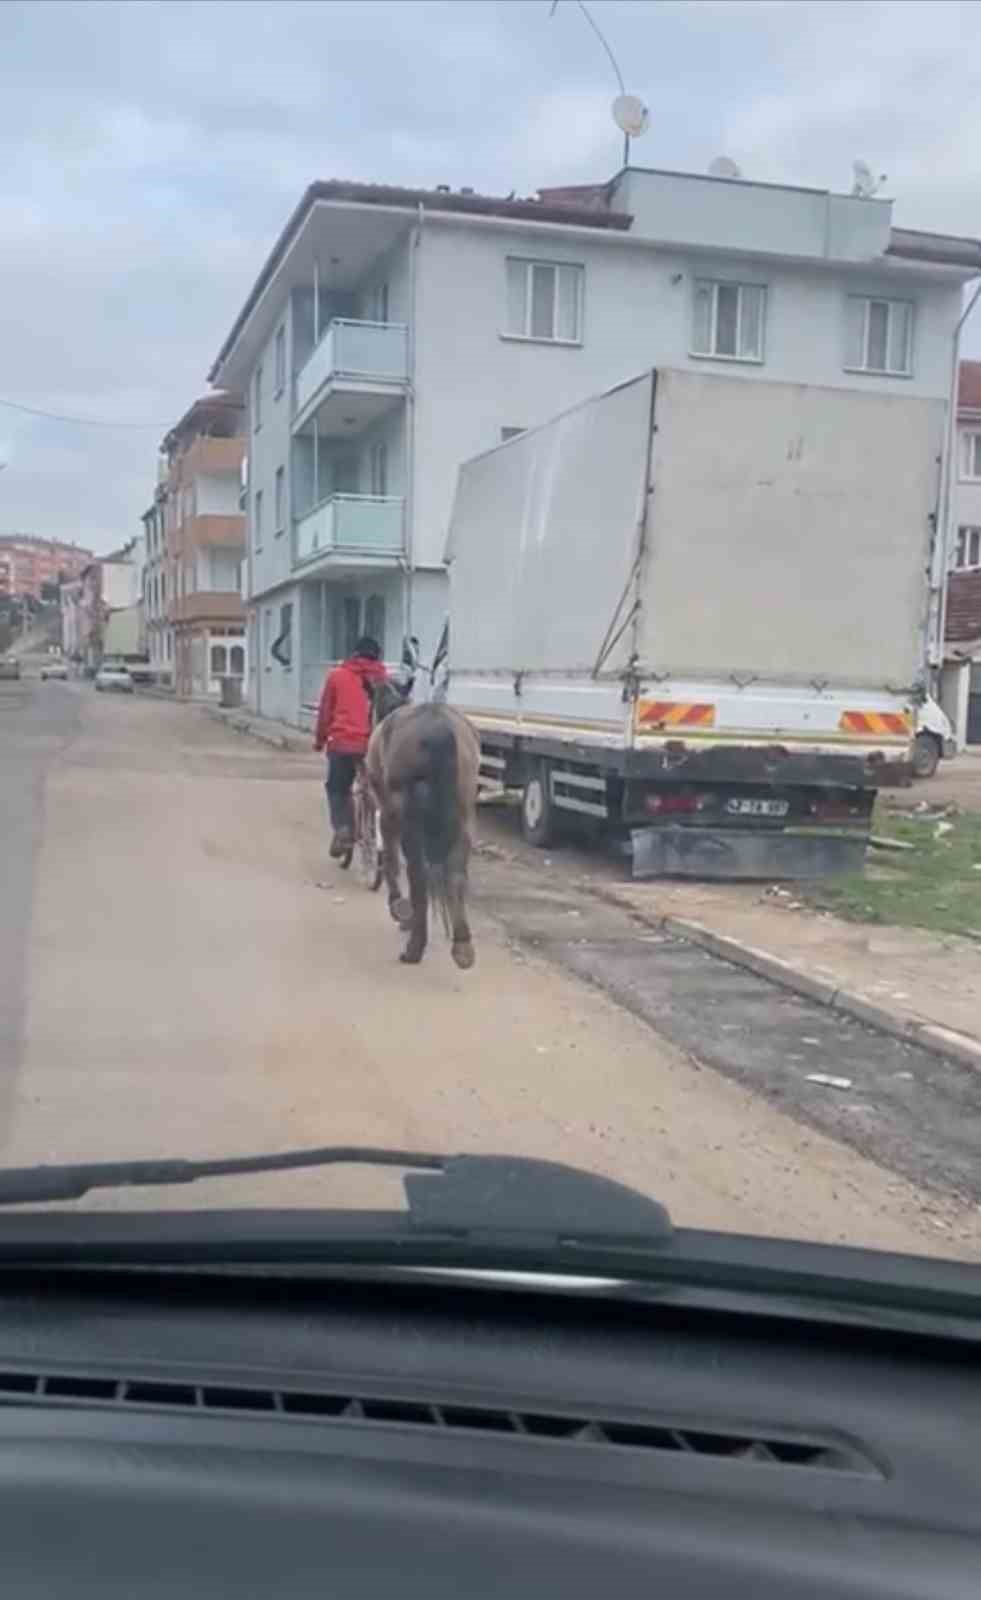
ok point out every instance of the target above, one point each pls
(343, 730)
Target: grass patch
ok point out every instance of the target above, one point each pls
(934, 886)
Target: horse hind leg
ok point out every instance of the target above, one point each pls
(391, 831)
(415, 946)
(461, 948)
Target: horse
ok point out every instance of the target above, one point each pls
(422, 764)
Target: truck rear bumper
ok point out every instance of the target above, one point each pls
(679, 852)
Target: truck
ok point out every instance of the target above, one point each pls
(691, 612)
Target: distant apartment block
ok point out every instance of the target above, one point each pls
(962, 670)
(36, 567)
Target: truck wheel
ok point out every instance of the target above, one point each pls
(926, 755)
(537, 814)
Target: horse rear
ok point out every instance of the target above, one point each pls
(423, 763)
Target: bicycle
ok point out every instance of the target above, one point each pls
(367, 844)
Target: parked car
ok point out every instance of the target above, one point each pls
(9, 667)
(54, 669)
(113, 675)
(934, 739)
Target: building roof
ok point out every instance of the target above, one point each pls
(969, 386)
(465, 201)
(200, 414)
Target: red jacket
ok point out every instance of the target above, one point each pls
(344, 717)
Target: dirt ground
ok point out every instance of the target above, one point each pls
(191, 990)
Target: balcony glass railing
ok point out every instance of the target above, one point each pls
(361, 351)
(350, 523)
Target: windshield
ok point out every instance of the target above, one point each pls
(528, 539)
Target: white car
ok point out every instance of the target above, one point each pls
(934, 739)
(54, 669)
(113, 676)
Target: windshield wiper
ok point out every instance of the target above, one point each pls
(445, 1194)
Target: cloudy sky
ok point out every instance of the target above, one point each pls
(152, 149)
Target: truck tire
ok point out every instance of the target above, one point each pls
(537, 811)
(926, 755)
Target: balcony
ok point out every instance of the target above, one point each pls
(353, 530)
(356, 373)
(207, 605)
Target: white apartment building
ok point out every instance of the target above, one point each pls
(392, 333)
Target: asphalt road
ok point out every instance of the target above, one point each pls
(182, 972)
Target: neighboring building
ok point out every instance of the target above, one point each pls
(393, 333)
(107, 585)
(196, 614)
(962, 669)
(159, 630)
(36, 567)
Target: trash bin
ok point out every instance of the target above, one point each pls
(231, 693)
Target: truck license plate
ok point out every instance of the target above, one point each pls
(758, 808)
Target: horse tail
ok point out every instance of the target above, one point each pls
(436, 808)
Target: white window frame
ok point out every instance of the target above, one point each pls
(971, 447)
(529, 263)
(257, 399)
(867, 301)
(279, 349)
(279, 501)
(715, 354)
(966, 554)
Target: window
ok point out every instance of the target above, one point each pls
(967, 550)
(257, 399)
(728, 320)
(282, 646)
(544, 301)
(280, 355)
(350, 623)
(879, 336)
(236, 661)
(258, 519)
(510, 433)
(378, 465)
(971, 455)
(378, 303)
(280, 499)
(267, 628)
(219, 661)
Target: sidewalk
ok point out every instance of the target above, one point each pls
(281, 735)
(917, 985)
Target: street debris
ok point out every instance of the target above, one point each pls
(879, 842)
(828, 1081)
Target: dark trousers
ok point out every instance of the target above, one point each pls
(341, 770)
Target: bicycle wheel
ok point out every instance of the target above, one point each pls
(369, 842)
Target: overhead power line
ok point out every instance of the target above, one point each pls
(81, 422)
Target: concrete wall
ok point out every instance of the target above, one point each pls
(677, 206)
(269, 448)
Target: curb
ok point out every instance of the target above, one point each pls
(932, 1036)
(242, 723)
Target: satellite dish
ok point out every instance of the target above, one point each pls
(865, 184)
(723, 167)
(631, 115)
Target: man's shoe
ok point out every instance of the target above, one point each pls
(341, 843)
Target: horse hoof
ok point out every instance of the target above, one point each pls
(410, 956)
(401, 911)
(464, 954)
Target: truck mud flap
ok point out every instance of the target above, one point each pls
(725, 853)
